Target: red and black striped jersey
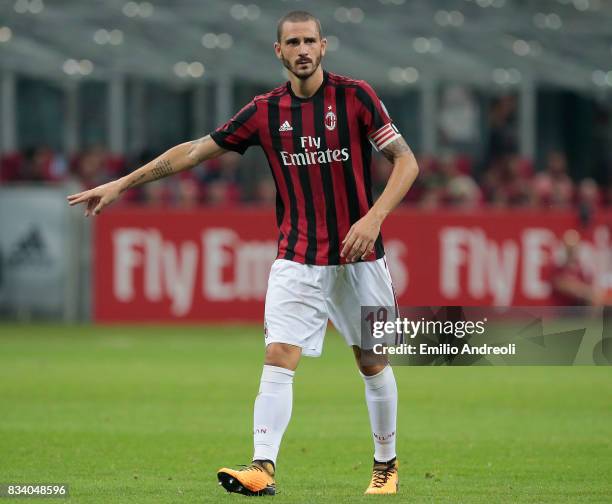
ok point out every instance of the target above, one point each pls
(319, 151)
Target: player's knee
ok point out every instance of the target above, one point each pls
(368, 363)
(283, 355)
(371, 370)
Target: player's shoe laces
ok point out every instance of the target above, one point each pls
(255, 479)
(384, 478)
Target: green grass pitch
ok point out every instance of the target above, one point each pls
(148, 414)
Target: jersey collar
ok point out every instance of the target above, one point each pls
(317, 92)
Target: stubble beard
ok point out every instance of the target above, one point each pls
(301, 76)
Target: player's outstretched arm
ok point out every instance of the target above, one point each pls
(359, 241)
(178, 158)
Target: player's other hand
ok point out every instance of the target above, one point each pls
(97, 198)
(359, 241)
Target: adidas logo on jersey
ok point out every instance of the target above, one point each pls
(285, 127)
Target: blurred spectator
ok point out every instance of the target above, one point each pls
(427, 190)
(265, 192)
(188, 193)
(507, 183)
(222, 168)
(9, 166)
(459, 188)
(459, 118)
(588, 194)
(502, 128)
(35, 164)
(156, 194)
(219, 193)
(554, 187)
(570, 283)
(220, 180)
(589, 199)
(92, 167)
(463, 193)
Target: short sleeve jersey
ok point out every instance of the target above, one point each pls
(319, 150)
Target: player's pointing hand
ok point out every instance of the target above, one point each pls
(359, 241)
(97, 198)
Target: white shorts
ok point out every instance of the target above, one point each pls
(301, 298)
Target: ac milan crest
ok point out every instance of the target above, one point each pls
(330, 121)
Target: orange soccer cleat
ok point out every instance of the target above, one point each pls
(384, 478)
(255, 479)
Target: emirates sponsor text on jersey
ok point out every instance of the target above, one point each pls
(313, 157)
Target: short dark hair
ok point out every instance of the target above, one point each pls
(296, 17)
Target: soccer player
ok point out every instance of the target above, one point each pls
(316, 131)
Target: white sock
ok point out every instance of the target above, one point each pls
(272, 411)
(381, 397)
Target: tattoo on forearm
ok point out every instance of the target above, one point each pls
(162, 168)
(395, 148)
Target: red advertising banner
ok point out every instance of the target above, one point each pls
(213, 265)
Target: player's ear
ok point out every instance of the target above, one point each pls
(277, 50)
(323, 46)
